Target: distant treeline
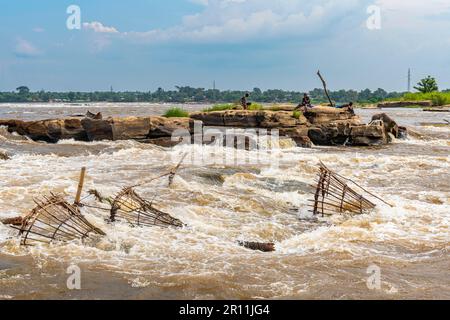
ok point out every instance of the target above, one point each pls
(196, 95)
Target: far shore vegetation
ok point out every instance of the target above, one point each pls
(427, 90)
(437, 98)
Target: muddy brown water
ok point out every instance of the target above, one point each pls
(325, 258)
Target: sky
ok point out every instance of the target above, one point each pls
(240, 44)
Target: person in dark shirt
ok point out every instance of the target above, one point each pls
(306, 103)
(348, 106)
(244, 102)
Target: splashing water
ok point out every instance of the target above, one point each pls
(315, 257)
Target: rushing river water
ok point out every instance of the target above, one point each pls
(315, 258)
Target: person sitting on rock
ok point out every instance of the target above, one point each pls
(244, 102)
(306, 103)
(348, 106)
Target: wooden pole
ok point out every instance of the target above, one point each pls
(325, 88)
(80, 186)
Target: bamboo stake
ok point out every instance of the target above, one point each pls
(80, 186)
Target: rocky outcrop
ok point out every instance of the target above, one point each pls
(334, 133)
(326, 115)
(98, 130)
(318, 125)
(146, 129)
(368, 135)
(48, 130)
(404, 104)
(250, 119)
(299, 135)
(390, 126)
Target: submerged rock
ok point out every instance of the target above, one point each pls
(258, 246)
(390, 125)
(404, 104)
(4, 155)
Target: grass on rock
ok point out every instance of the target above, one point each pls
(176, 112)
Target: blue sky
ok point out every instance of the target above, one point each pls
(241, 44)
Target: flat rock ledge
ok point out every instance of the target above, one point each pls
(403, 104)
(324, 126)
(145, 129)
(319, 126)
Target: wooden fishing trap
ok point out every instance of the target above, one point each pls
(55, 220)
(333, 195)
(128, 206)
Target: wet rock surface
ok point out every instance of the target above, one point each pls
(403, 104)
(88, 129)
(318, 126)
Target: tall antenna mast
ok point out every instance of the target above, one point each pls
(409, 80)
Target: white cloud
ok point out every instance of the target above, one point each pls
(232, 21)
(239, 20)
(200, 2)
(415, 7)
(99, 27)
(26, 49)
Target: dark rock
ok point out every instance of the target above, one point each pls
(94, 116)
(257, 246)
(402, 132)
(4, 155)
(299, 135)
(389, 125)
(369, 135)
(165, 127)
(318, 137)
(97, 130)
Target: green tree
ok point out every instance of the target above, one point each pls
(23, 90)
(427, 85)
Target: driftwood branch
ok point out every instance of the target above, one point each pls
(325, 87)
